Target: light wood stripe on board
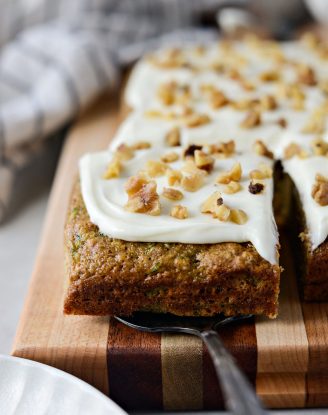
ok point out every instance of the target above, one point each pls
(282, 343)
(75, 344)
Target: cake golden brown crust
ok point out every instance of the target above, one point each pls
(110, 276)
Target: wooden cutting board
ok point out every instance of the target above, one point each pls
(286, 359)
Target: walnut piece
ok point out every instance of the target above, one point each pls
(211, 202)
(190, 150)
(320, 147)
(268, 103)
(316, 123)
(155, 168)
(215, 97)
(252, 119)
(124, 152)
(170, 157)
(114, 169)
(222, 212)
(204, 161)
(193, 181)
(141, 145)
(172, 138)
(171, 93)
(262, 150)
(179, 212)
(173, 177)
(262, 172)
(320, 190)
(223, 150)
(306, 75)
(196, 120)
(172, 194)
(269, 76)
(142, 196)
(232, 187)
(233, 175)
(292, 150)
(238, 216)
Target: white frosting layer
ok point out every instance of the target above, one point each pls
(303, 172)
(105, 200)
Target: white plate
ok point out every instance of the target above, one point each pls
(31, 388)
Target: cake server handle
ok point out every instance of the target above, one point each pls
(239, 396)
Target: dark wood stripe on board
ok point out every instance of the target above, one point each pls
(240, 339)
(134, 368)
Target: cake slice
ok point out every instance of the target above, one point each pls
(310, 176)
(172, 231)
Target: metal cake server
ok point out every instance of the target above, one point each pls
(239, 396)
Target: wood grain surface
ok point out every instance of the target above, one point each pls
(286, 359)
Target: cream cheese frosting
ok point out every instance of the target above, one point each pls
(105, 199)
(303, 172)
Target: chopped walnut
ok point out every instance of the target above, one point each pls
(190, 150)
(141, 145)
(142, 196)
(179, 212)
(204, 161)
(245, 104)
(252, 119)
(268, 103)
(263, 172)
(306, 75)
(233, 175)
(222, 212)
(247, 85)
(114, 169)
(255, 187)
(172, 194)
(173, 177)
(238, 216)
(218, 99)
(293, 92)
(170, 157)
(232, 187)
(172, 138)
(165, 93)
(169, 59)
(171, 93)
(292, 150)
(320, 147)
(190, 167)
(320, 190)
(154, 114)
(269, 76)
(223, 150)
(262, 150)
(234, 74)
(212, 202)
(196, 120)
(193, 181)
(316, 122)
(124, 152)
(155, 168)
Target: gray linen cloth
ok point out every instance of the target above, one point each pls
(56, 56)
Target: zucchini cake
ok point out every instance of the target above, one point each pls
(176, 216)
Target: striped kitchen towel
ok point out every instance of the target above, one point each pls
(56, 56)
